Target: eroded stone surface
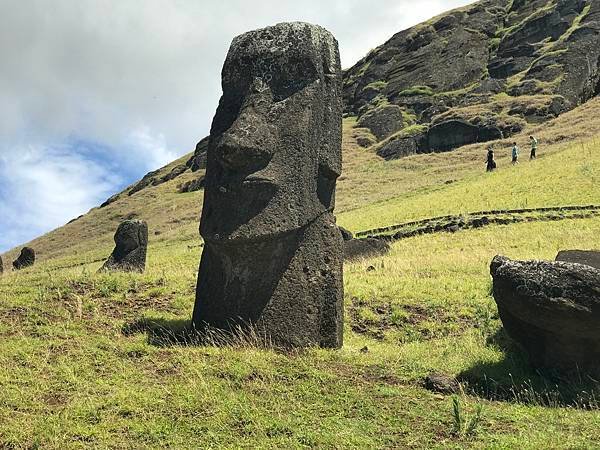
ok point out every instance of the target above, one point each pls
(383, 121)
(442, 383)
(273, 253)
(25, 259)
(131, 243)
(587, 257)
(552, 309)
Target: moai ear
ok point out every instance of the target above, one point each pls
(330, 157)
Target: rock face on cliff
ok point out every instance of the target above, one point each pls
(477, 73)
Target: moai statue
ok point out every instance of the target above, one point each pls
(273, 254)
(131, 243)
(25, 259)
(1, 266)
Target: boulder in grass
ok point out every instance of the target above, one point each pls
(588, 257)
(552, 309)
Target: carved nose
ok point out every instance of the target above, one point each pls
(237, 155)
(245, 147)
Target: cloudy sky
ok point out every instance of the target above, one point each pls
(95, 93)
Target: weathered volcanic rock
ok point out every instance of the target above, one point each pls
(25, 259)
(198, 161)
(346, 234)
(552, 309)
(464, 62)
(442, 383)
(400, 148)
(588, 257)
(456, 133)
(192, 185)
(383, 121)
(365, 248)
(273, 254)
(131, 243)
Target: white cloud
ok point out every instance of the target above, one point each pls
(140, 79)
(43, 187)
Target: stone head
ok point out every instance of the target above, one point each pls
(274, 150)
(130, 235)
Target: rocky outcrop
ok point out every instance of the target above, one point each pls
(457, 73)
(25, 259)
(552, 309)
(452, 134)
(131, 244)
(198, 160)
(192, 185)
(403, 146)
(272, 256)
(383, 121)
(588, 257)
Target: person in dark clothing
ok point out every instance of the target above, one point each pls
(534, 145)
(515, 153)
(491, 164)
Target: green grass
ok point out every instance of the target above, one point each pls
(570, 177)
(91, 360)
(71, 377)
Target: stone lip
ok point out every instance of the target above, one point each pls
(131, 243)
(552, 309)
(588, 257)
(25, 259)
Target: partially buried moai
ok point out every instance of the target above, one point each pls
(131, 243)
(26, 259)
(273, 254)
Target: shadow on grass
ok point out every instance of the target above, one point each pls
(165, 332)
(180, 332)
(514, 380)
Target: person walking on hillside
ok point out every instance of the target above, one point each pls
(515, 154)
(534, 145)
(491, 164)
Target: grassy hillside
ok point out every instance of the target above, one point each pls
(103, 360)
(367, 181)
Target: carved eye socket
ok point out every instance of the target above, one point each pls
(285, 76)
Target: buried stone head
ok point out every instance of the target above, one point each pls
(273, 254)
